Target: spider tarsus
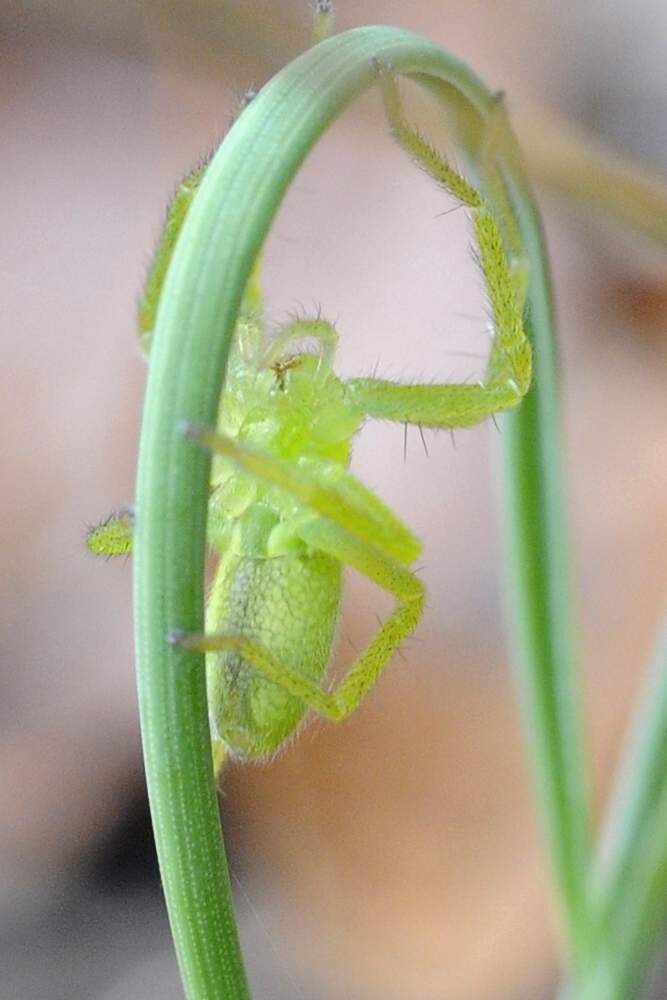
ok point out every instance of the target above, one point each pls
(323, 18)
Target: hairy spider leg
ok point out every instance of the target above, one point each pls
(350, 532)
(509, 367)
(325, 488)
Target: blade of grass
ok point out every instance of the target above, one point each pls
(629, 885)
(637, 918)
(537, 548)
(539, 604)
(632, 917)
(539, 592)
(640, 785)
(220, 240)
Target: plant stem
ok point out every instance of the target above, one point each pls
(537, 554)
(630, 876)
(538, 568)
(221, 237)
(640, 785)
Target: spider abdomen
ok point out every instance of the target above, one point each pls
(288, 605)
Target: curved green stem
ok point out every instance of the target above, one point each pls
(629, 885)
(221, 237)
(641, 786)
(537, 552)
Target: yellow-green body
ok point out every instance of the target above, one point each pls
(285, 514)
(288, 604)
(270, 586)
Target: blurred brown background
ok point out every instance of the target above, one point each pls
(395, 857)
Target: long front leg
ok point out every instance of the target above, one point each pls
(508, 373)
(323, 488)
(437, 406)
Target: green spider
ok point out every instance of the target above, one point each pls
(285, 514)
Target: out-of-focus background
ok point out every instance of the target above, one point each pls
(395, 856)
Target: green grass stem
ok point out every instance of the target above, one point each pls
(548, 682)
(222, 235)
(546, 669)
(629, 885)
